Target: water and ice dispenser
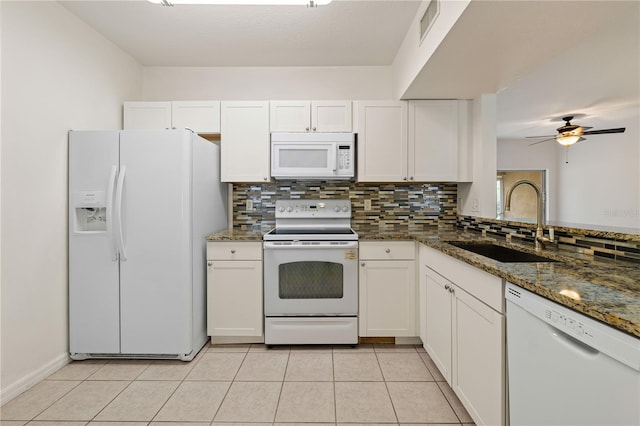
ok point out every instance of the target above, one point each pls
(90, 211)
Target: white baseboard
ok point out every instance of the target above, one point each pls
(26, 382)
(223, 340)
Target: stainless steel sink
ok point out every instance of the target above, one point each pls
(500, 253)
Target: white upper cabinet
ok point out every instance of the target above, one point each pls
(245, 141)
(146, 115)
(414, 141)
(433, 141)
(200, 116)
(310, 116)
(382, 141)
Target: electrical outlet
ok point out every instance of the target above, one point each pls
(249, 205)
(367, 205)
(476, 205)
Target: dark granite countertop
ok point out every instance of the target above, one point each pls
(608, 290)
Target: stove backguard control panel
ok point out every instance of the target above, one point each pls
(292, 209)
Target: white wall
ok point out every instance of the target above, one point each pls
(516, 154)
(479, 198)
(57, 74)
(265, 83)
(413, 54)
(600, 183)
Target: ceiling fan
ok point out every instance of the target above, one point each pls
(571, 133)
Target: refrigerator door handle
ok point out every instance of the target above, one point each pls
(119, 190)
(110, 201)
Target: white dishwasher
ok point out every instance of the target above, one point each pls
(567, 369)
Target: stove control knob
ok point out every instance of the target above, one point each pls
(336, 208)
(345, 209)
(281, 208)
(289, 209)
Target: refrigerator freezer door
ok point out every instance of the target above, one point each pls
(94, 297)
(156, 278)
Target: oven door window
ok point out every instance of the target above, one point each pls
(310, 280)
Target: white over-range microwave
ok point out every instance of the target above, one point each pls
(312, 156)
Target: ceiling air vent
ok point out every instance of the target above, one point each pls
(428, 18)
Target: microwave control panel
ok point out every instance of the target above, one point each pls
(344, 157)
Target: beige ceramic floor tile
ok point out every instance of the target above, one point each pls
(252, 402)
(310, 367)
(306, 402)
(459, 409)
(244, 347)
(363, 402)
(120, 370)
(240, 424)
(403, 367)
(141, 401)
(356, 367)
(47, 423)
(193, 402)
(117, 423)
(384, 347)
(312, 348)
(13, 422)
(217, 367)
(261, 347)
(84, 401)
(33, 401)
(362, 347)
(167, 370)
(435, 371)
(263, 367)
(421, 402)
(77, 370)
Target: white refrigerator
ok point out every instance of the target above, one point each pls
(140, 205)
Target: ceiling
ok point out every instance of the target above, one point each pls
(545, 59)
(343, 33)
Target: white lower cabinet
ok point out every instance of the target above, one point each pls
(234, 289)
(464, 335)
(387, 289)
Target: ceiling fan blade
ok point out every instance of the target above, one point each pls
(545, 136)
(580, 140)
(604, 131)
(586, 127)
(545, 140)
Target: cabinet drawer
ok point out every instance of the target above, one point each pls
(234, 250)
(387, 250)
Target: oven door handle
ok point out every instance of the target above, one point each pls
(301, 245)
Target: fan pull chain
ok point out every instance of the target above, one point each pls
(566, 155)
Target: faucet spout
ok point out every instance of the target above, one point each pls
(507, 206)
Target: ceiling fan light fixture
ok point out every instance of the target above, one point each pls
(308, 3)
(567, 139)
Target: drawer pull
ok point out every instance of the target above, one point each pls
(233, 251)
(387, 251)
(209, 263)
(362, 264)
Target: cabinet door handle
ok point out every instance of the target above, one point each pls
(411, 178)
(362, 264)
(306, 128)
(209, 263)
(404, 178)
(451, 290)
(314, 129)
(387, 251)
(265, 178)
(447, 287)
(233, 251)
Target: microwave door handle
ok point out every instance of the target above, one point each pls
(334, 158)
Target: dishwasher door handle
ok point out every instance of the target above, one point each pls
(573, 343)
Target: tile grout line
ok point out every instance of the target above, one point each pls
(231, 384)
(204, 348)
(275, 413)
(384, 380)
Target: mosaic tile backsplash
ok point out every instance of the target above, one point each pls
(604, 244)
(394, 207)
